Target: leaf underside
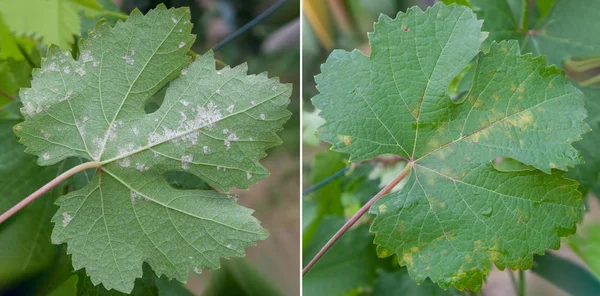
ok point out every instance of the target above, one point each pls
(215, 124)
(457, 214)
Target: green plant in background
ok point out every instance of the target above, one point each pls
(86, 116)
(485, 152)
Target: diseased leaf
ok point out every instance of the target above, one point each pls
(215, 124)
(457, 214)
(564, 33)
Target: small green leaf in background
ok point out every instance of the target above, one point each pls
(457, 215)
(54, 21)
(348, 265)
(214, 124)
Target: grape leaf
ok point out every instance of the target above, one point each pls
(215, 124)
(457, 214)
(55, 21)
(559, 36)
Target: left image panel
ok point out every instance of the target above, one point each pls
(149, 147)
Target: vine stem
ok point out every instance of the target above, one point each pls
(525, 16)
(405, 172)
(521, 282)
(7, 95)
(47, 187)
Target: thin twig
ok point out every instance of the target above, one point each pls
(525, 16)
(8, 96)
(250, 24)
(405, 172)
(521, 282)
(513, 280)
(46, 188)
(325, 181)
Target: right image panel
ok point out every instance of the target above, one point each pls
(450, 147)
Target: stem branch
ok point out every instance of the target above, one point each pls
(521, 282)
(357, 216)
(525, 16)
(46, 188)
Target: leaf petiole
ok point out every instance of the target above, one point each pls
(403, 174)
(60, 178)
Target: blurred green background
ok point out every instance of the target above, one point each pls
(270, 268)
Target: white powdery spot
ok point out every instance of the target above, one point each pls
(185, 161)
(232, 137)
(81, 125)
(67, 70)
(184, 102)
(190, 257)
(253, 103)
(225, 131)
(156, 154)
(262, 116)
(66, 97)
(230, 109)
(67, 54)
(80, 71)
(249, 175)
(196, 270)
(96, 63)
(274, 88)
(184, 72)
(135, 196)
(182, 44)
(154, 138)
(30, 109)
(141, 167)
(128, 60)
(206, 150)
(218, 168)
(52, 67)
(135, 130)
(180, 30)
(45, 134)
(218, 91)
(125, 162)
(46, 156)
(66, 219)
(186, 22)
(228, 246)
(218, 72)
(112, 133)
(86, 56)
(174, 20)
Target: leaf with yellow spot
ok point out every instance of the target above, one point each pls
(456, 203)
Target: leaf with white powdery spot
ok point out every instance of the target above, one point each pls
(215, 124)
(457, 214)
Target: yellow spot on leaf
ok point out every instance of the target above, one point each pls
(382, 208)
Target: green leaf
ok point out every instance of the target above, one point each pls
(9, 47)
(457, 214)
(559, 36)
(24, 239)
(349, 264)
(148, 285)
(587, 245)
(54, 21)
(212, 124)
(567, 275)
(67, 288)
(399, 283)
